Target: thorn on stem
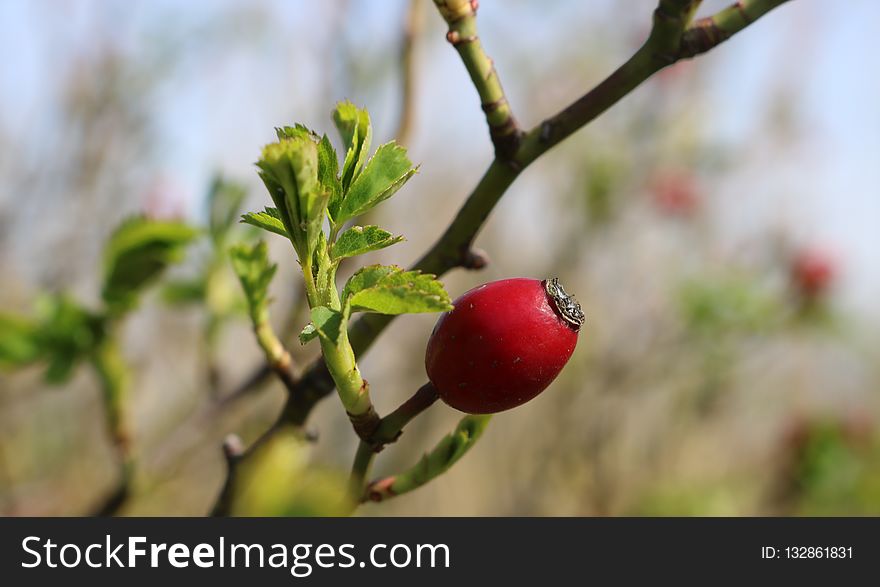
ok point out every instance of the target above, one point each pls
(740, 7)
(546, 131)
(233, 448)
(378, 490)
(455, 39)
(474, 259)
(490, 107)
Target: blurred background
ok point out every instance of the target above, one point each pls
(720, 226)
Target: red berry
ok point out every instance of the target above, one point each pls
(812, 272)
(503, 344)
(675, 193)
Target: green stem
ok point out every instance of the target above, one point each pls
(360, 469)
(389, 430)
(461, 16)
(433, 464)
(309, 279)
(339, 357)
(114, 376)
(277, 356)
(354, 391)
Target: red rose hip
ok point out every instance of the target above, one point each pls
(812, 272)
(503, 344)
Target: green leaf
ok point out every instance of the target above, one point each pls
(269, 219)
(296, 131)
(367, 277)
(136, 254)
(323, 270)
(358, 240)
(224, 202)
(66, 333)
(308, 334)
(328, 173)
(356, 132)
(386, 172)
(391, 290)
(62, 334)
(328, 323)
(18, 341)
(255, 272)
(289, 169)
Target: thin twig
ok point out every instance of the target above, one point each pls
(461, 16)
(232, 451)
(389, 430)
(412, 29)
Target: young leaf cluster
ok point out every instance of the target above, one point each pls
(310, 190)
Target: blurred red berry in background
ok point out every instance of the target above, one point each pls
(812, 272)
(674, 193)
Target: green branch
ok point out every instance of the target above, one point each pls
(389, 430)
(433, 464)
(654, 55)
(461, 16)
(115, 383)
(711, 31)
(251, 265)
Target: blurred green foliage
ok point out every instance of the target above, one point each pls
(832, 467)
(136, 254)
(280, 481)
(60, 334)
(727, 305)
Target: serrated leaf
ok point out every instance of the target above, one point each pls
(308, 333)
(269, 219)
(328, 323)
(385, 173)
(296, 131)
(358, 240)
(367, 277)
(136, 254)
(354, 127)
(391, 290)
(289, 169)
(323, 271)
(224, 202)
(255, 272)
(328, 173)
